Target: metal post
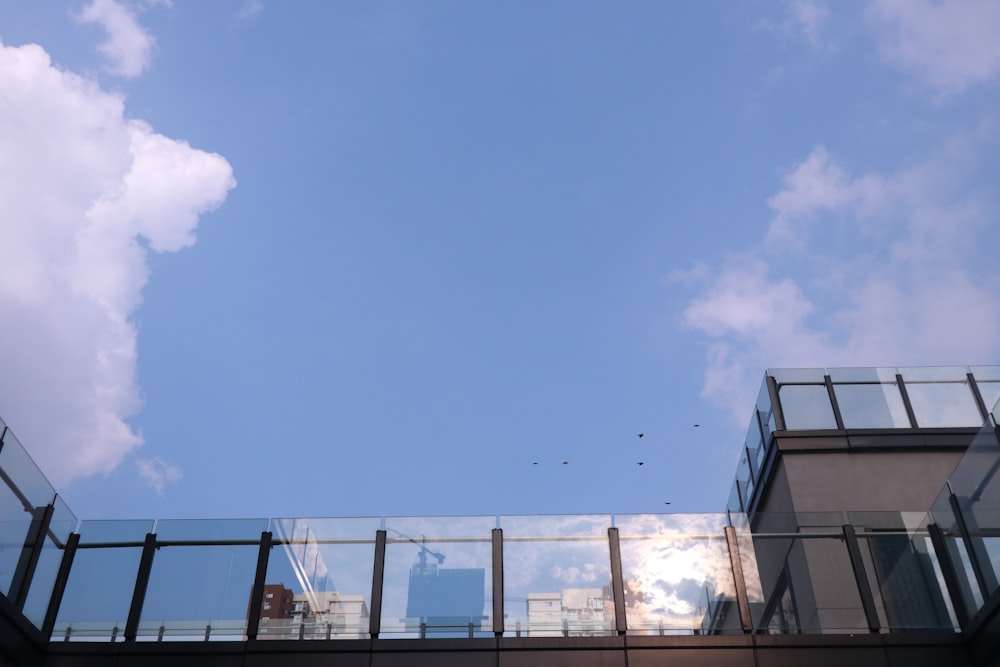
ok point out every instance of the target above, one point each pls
(906, 401)
(141, 583)
(779, 414)
(972, 550)
(375, 619)
(498, 582)
(257, 592)
(617, 581)
(861, 578)
(34, 542)
(59, 588)
(742, 599)
(833, 401)
(984, 411)
(951, 579)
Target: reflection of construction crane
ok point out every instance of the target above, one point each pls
(422, 566)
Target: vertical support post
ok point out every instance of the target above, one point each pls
(259, 581)
(375, 619)
(833, 402)
(861, 578)
(906, 401)
(779, 414)
(617, 581)
(498, 582)
(951, 580)
(34, 542)
(971, 547)
(59, 588)
(984, 410)
(742, 599)
(141, 583)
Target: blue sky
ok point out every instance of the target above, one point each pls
(343, 259)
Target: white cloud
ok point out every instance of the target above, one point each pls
(85, 195)
(250, 9)
(948, 44)
(809, 16)
(889, 270)
(128, 46)
(803, 19)
(157, 473)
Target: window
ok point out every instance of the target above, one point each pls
(267, 606)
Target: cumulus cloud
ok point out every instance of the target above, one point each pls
(85, 195)
(858, 270)
(157, 473)
(947, 44)
(127, 46)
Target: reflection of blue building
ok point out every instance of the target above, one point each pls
(445, 601)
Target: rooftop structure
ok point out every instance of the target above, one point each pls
(864, 526)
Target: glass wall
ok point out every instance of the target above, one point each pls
(438, 577)
(557, 576)
(319, 579)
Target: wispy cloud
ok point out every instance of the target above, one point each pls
(803, 19)
(870, 269)
(948, 45)
(157, 473)
(250, 9)
(128, 46)
(85, 195)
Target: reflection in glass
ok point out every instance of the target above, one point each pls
(903, 571)
(808, 585)
(871, 406)
(438, 577)
(22, 471)
(806, 407)
(319, 578)
(677, 574)
(557, 576)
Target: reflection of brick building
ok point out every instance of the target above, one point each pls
(277, 602)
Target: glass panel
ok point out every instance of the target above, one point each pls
(871, 406)
(99, 591)
(26, 476)
(62, 524)
(808, 586)
(793, 375)
(934, 374)
(677, 574)
(806, 407)
(200, 592)
(903, 571)
(207, 530)
(557, 576)
(984, 529)
(984, 373)
(15, 523)
(319, 579)
(755, 447)
(765, 411)
(990, 391)
(424, 596)
(957, 554)
(887, 375)
(943, 404)
(735, 503)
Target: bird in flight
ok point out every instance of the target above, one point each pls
(641, 434)
(642, 463)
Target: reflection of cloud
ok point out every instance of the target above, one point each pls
(573, 574)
